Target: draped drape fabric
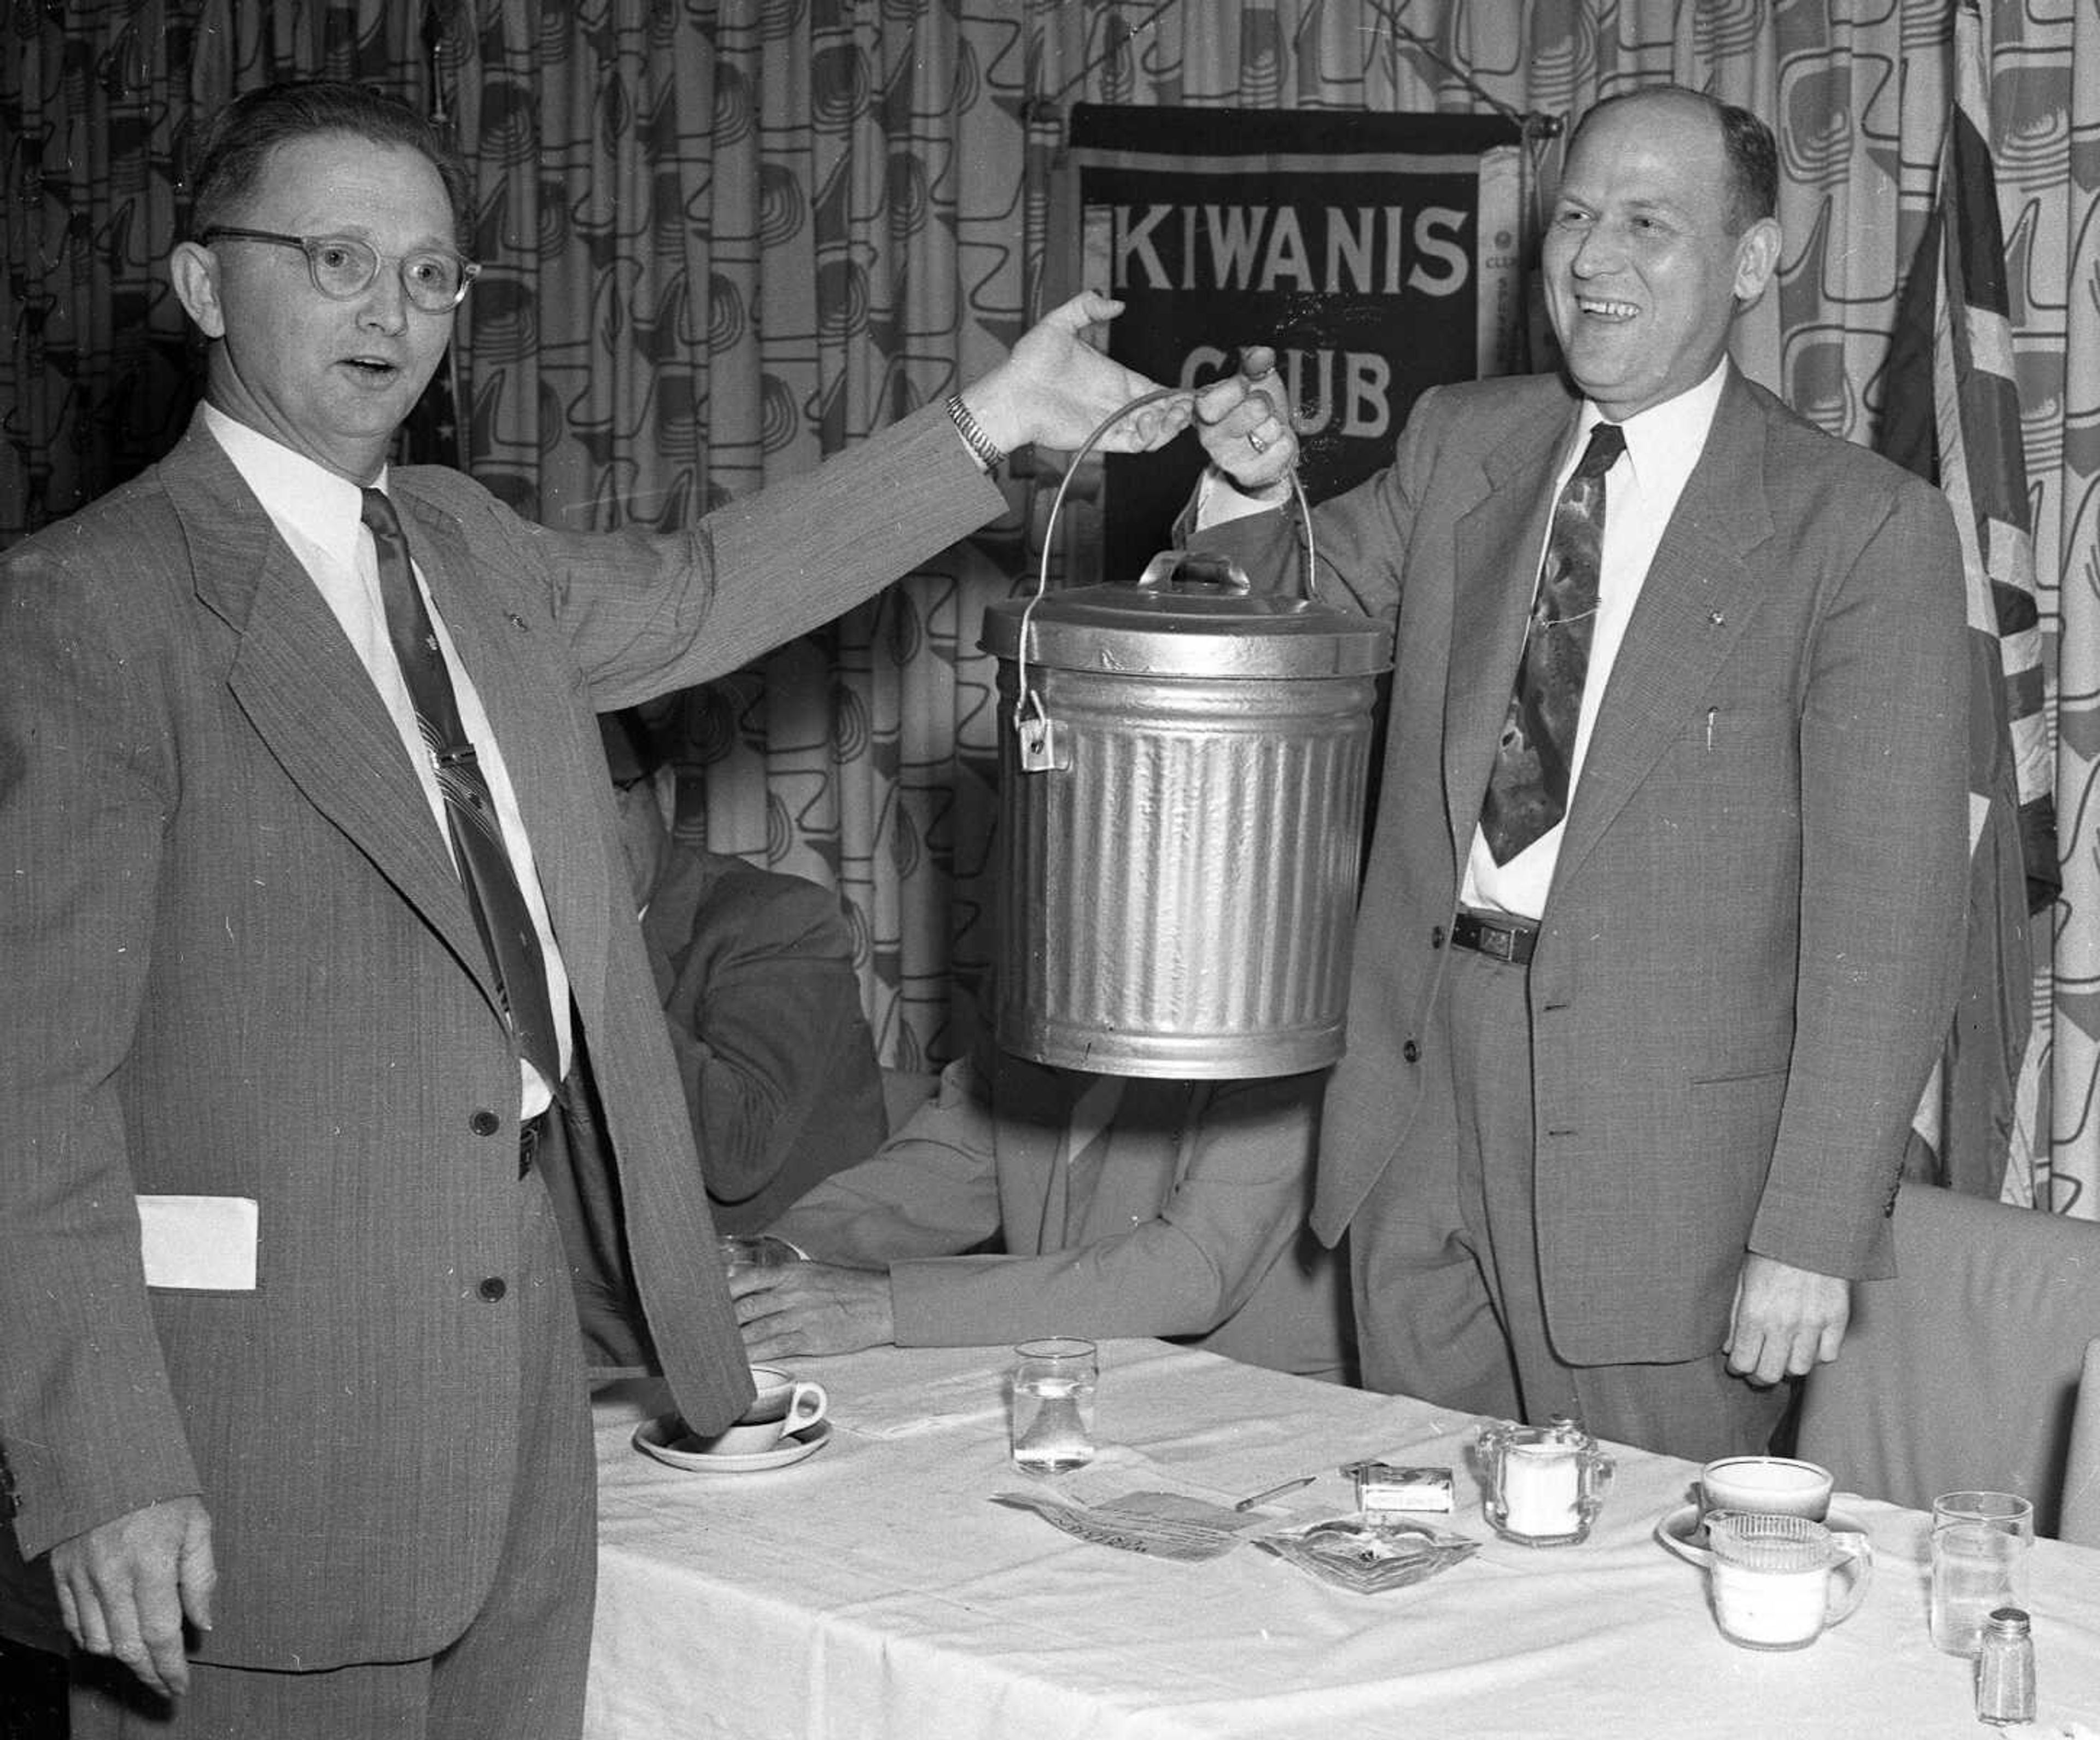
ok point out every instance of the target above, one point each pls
(726, 237)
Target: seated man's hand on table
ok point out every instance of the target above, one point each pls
(811, 1308)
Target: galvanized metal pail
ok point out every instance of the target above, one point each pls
(1182, 770)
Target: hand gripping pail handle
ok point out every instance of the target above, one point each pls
(1034, 734)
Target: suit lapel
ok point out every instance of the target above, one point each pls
(1495, 563)
(298, 681)
(1694, 605)
(1030, 1105)
(1137, 1165)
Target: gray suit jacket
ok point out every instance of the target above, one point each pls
(1187, 1220)
(242, 967)
(1747, 962)
(756, 971)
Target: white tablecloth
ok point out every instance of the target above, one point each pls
(873, 1590)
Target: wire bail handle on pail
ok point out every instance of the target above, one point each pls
(1034, 733)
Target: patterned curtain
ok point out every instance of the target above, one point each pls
(725, 237)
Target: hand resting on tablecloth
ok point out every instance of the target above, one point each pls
(809, 1308)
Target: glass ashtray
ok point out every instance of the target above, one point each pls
(1369, 1552)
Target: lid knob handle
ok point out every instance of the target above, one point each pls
(1195, 570)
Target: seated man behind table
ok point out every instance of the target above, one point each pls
(755, 972)
(1125, 1207)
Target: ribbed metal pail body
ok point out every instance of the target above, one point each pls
(1178, 896)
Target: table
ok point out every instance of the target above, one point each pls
(873, 1590)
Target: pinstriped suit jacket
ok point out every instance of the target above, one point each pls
(1747, 962)
(240, 964)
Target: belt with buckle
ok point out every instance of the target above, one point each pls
(1510, 940)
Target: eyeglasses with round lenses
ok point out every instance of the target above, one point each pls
(342, 267)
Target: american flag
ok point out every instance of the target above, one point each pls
(1952, 416)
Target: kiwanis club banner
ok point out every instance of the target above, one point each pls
(1379, 254)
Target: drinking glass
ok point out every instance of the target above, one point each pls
(1052, 1421)
(1980, 1553)
(737, 1252)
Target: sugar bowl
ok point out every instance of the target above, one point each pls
(1542, 1485)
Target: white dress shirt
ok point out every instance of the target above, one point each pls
(1641, 492)
(319, 515)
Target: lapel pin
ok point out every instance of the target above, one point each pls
(1715, 618)
(517, 622)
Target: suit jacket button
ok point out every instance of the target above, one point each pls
(1436, 935)
(484, 1123)
(1411, 1051)
(493, 1290)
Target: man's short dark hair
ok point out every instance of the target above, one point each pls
(235, 144)
(1746, 143)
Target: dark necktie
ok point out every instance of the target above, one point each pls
(1528, 791)
(499, 912)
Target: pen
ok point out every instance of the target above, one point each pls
(1288, 1486)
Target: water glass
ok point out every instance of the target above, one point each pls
(737, 1253)
(1052, 1421)
(1980, 1542)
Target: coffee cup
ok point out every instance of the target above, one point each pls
(1766, 1486)
(784, 1404)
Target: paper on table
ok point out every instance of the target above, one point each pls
(1166, 1525)
(1126, 1499)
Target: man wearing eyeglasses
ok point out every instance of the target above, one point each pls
(314, 915)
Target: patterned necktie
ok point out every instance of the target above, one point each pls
(1528, 791)
(499, 912)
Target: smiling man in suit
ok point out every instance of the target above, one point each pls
(1666, 888)
(316, 913)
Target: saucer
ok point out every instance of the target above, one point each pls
(1680, 1531)
(660, 1438)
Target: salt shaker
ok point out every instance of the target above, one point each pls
(2005, 1669)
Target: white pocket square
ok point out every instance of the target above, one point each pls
(199, 1242)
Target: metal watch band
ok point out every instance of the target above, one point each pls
(988, 455)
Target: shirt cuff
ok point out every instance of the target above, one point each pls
(1218, 500)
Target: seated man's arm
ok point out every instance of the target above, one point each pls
(776, 1057)
(930, 1189)
(1240, 1200)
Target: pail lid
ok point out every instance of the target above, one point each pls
(1190, 613)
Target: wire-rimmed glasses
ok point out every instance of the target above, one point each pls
(342, 267)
